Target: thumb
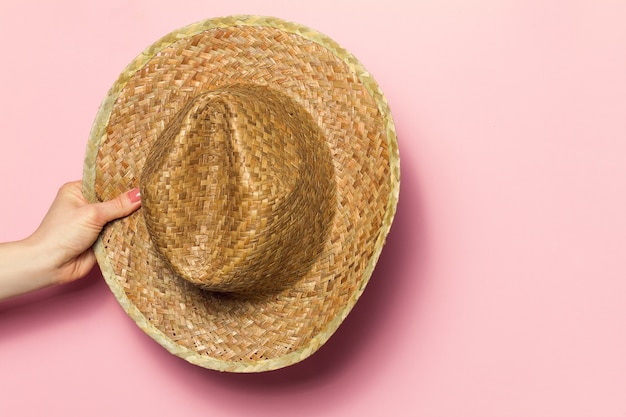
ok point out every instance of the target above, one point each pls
(121, 206)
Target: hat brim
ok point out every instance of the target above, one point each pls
(228, 332)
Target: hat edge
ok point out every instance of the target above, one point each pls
(192, 356)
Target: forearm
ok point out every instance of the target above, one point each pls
(23, 268)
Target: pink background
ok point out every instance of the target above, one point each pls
(502, 289)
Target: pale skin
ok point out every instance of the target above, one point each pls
(60, 250)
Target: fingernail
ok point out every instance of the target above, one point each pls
(134, 195)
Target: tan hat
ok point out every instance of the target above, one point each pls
(269, 170)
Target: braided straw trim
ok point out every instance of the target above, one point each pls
(99, 135)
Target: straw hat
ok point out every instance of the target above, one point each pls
(269, 170)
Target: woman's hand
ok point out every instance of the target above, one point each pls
(59, 251)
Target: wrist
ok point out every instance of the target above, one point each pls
(24, 267)
(44, 263)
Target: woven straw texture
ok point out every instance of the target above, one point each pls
(269, 170)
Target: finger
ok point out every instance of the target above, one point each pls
(72, 192)
(79, 267)
(121, 206)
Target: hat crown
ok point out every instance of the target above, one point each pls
(238, 191)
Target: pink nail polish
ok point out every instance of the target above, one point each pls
(134, 195)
